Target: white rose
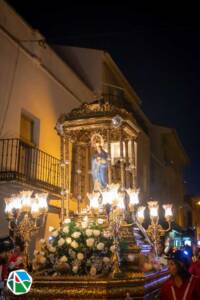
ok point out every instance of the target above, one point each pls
(76, 235)
(55, 233)
(85, 219)
(88, 232)
(42, 241)
(80, 256)
(51, 228)
(36, 252)
(61, 242)
(100, 221)
(84, 225)
(63, 259)
(68, 240)
(107, 234)
(34, 264)
(72, 253)
(112, 248)
(90, 242)
(67, 221)
(96, 232)
(66, 229)
(93, 271)
(52, 249)
(74, 244)
(106, 260)
(42, 259)
(75, 269)
(131, 257)
(100, 246)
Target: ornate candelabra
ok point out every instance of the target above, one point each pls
(115, 199)
(25, 215)
(155, 230)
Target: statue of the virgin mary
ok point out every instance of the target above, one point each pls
(99, 163)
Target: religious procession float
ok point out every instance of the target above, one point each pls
(100, 251)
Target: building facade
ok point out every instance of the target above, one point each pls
(38, 83)
(36, 86)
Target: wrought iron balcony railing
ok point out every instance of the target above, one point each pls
(25, 163)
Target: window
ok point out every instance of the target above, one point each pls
(29, 128)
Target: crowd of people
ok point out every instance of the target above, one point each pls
(10, 259)
(183, 265)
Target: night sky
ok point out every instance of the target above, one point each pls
(157, 49)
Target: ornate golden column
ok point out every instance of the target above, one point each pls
(79, 171)
(67, 175)
(109, 157)
(89, 184)
(122, 159)
(62, 177)
(127, 165)
(133, 163)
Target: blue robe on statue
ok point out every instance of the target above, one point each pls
(100, 169)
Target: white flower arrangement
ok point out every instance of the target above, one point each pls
(68, 240)
(96, 232)
(52, 249)
(82, 248)
(66, 229)
(42, 241)
(112, 248)
(61, 242)
(107, 234)
(74, 244)
(100, 221)
(80, 256)
(90, 242)
(76, 235)
(75, 269)
(67, 221)
(55, 233)
(36, 252)
(51, 228)
(106, 260)
(84, 225)
(93, 271)
(63, 259)
(89, 232)
(100, 246)
(42, 259)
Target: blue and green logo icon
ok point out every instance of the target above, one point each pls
(19, 282)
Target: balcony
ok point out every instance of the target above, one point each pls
(23, 166)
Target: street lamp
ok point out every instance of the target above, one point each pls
(24, 214)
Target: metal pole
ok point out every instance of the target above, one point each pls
(62, 171)
(67, 175)
(133, 163)
(122, 159)
(127, 165)
(109, 158)
(79, 171)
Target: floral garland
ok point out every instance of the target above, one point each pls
(76, 249)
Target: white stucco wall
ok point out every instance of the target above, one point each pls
(27, 85)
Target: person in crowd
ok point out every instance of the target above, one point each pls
(195, 266)
(16, 259)
(181, 285)
(6, 246)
